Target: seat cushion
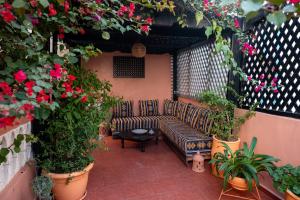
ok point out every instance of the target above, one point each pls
(148, 107)
(123, 109)
(170, 107)
(187, 139)
(182, 109)
(129, 123)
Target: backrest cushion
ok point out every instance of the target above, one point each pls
(204, 122)
(148, 107)
(182, 110)
(170, 107)
(192, 116)
(123, 109)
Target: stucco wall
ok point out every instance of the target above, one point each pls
(155, 85)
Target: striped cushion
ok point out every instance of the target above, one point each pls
(170, 107)
(182, 110)
(129, 123)
(148, 107)
(192, 115)
(123, 109)
(204, 123)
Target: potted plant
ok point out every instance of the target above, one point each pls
(72, 134)
(241, 168)
(225, 125)
(286, 179)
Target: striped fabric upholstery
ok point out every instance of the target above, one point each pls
(148, 107)
(123, 109)
(192, 115)
(204, 123)
(129, 123)
(170, 107)
(186, 138)
(182, 110)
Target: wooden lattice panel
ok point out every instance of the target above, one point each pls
(277, 55)
(128, 67)
(200, 69)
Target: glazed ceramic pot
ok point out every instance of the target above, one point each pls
(71, 186)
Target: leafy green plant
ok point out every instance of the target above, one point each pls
(243, 163)
(287, 177)
(224, 121)
(72, 131)
(42, 186)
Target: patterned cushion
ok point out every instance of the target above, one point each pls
(129, 123)
(187, 139)
(192, 115)
(203, 123)
(148, 107)
(182, 110)
(170, 107)
(123, 109)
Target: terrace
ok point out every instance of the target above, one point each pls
(164, 71)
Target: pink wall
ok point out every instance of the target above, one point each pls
(155, 85)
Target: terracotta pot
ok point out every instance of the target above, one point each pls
(70, 186)
(239, 184)
(217, 146)
(291, 196)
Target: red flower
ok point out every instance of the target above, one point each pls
(42, 97)
(131, 6)
(275, 91)
(149, 20)
(29, 85)
(7, 16)
(145, 28)
(71, 77)
(67, 6)
(29, 116)
(39, 12)
(6, 89)
(236, 23)
(57, 66)
(61, 36)
(78, 90)
(7, 6)
(64, 95)
(27, 107)
(248, 48)
(275, 80)
(20, 76)
(52, 11)
(81, 31)
(262, 84)
(84, 99)
(33, 3)
(274, 84)
(262, 76)
(6, 121)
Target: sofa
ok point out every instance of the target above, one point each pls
(185, 127)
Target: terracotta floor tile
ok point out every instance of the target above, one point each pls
(157, 174)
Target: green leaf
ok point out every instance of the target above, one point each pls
(251, 6)
(18, 4)
(199, 17)
(105, 35)
(44, 3)
(208, 31)
(277, 18)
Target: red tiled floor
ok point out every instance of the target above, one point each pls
(157, 174)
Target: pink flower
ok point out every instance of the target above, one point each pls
(145, 28)
(274, 80)
(274, 84)
(294, 1)
(29, 85)
(257, 88)
(262, 76)
(249, 78)
(262, 84)
(71, 77)
(66, 6)
(20, 76)
(236, 23)
(149, 20)
(275, 91)
(64, 95)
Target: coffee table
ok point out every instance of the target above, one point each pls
(142, 139)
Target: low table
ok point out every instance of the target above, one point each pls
(142, 139)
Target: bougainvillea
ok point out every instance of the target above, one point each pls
(33, 79)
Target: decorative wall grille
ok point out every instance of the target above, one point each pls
(199, 69)
(277, 55)
(128, 67)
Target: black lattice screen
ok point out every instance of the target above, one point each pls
(277, 55)
(200, 69)
(128, 67)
